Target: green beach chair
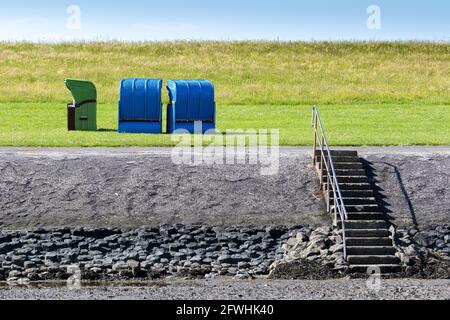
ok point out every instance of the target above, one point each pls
(82, 112)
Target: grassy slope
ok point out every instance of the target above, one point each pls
(244, 73)
(398, 93)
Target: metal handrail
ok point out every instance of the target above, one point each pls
(332, 183)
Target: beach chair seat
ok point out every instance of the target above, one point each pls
(140, 106)
(82, 111)
(192, 106)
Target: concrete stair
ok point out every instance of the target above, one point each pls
(355, 193)
(351, 179)
(373, 233)
(371, 250)
(364, 224)
(373, 259)
(370, 207)
(350, 172)
(365, 215)
(364, 186)
(348, 166)
(369, 242)
(355, 201)
(382, 268)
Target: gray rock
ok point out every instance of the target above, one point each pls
(412, 232)
(236, 258)
(232, 271)
(447, 239)
(211, 275)
(337, 248)
(29, 264)
(179, 256)
(207, 261)
(8, 247)
(411, 250)
(14, 274)
(275, 232)
(161, 254)
(243, 265)
(120, 266)
(225, 258)
(424, 239)
(18, 260)
(51, 257)
(167, 231)
(196, 259)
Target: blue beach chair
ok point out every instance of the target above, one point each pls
(192, 106)
(140, 106)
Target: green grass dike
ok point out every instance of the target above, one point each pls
(373, 94)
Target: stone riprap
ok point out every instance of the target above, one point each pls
(312, 254)
(424, 253)
(187, 251)
(170, 250)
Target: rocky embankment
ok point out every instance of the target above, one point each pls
(189, 251)
(170, 250)
(423, 253)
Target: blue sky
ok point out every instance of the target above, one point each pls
(135, 20)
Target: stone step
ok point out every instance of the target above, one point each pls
(342, 159)
(360, 233)
(349, 165)
(368, 250)
(365, 215)
(352, 179)
(372, 259)
(364, 224)
(340, 153)
(362, 186)
(347, 172)
(369, 241)
(383, 269)
(356, 200)
(355, 194)
(363, 208)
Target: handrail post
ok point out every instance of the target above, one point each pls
(321, 163)
(314, 119)
(335, 205)
(328, 191)
(327, 196)
(344, 241)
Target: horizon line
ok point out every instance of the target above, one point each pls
(199, 41)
